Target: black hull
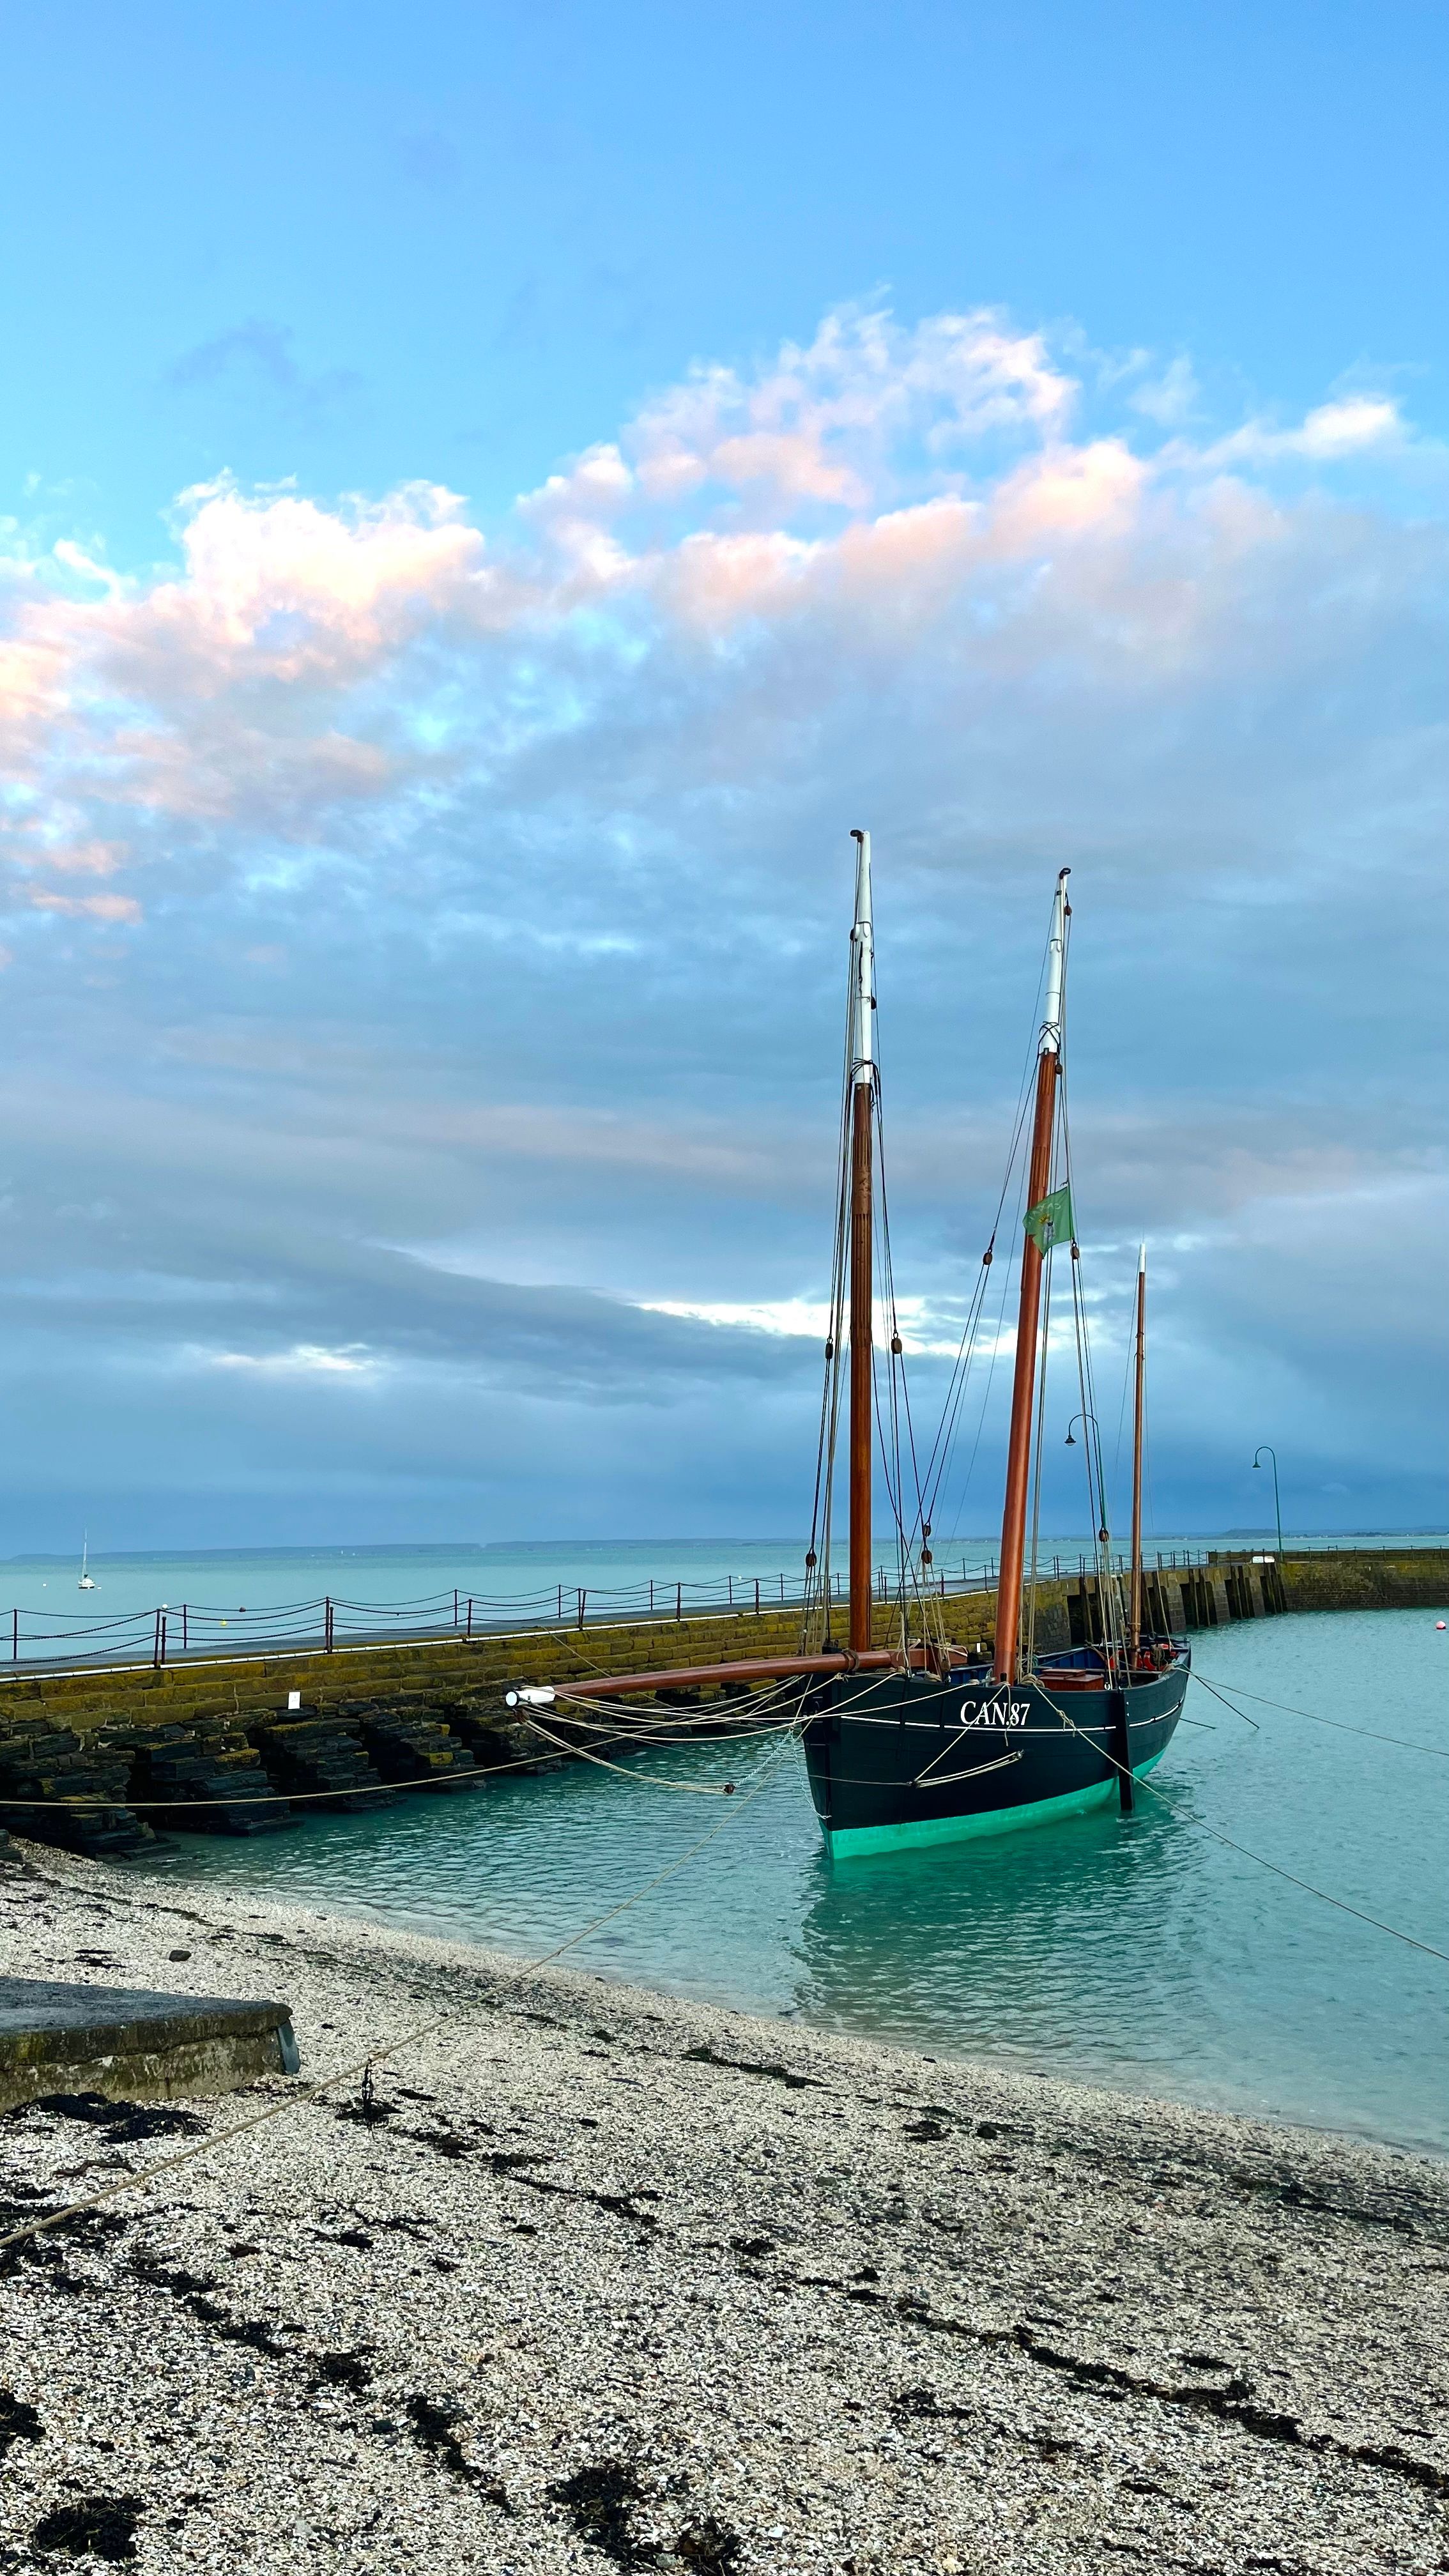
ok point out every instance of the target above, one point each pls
(906, 1760)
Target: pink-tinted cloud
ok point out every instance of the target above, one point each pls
(911, 501)
(89, 907)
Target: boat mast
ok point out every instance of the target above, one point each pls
(1134, 1623)
(862, 1112)
(1018, 1453)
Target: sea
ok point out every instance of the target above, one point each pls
(221, 1600)
(1268, 1933)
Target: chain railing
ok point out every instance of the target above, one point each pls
(193, 1632)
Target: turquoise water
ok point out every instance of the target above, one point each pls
(1141, 1954)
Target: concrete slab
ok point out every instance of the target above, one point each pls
(134, 2045)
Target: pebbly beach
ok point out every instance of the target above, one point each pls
(588, 2278)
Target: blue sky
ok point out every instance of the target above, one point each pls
(490, 497)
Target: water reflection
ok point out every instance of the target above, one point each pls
(1036, 1947)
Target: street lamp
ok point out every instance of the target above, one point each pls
(1265, 1448)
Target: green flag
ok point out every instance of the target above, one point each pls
(1051, 1220)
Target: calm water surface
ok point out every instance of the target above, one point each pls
(1141, 1954)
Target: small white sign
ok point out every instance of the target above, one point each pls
(294, 1699)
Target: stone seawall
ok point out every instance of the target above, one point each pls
(217, 1747)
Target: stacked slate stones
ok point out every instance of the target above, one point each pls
(495, 1739)
(305, 1754)
(407, 1745)
(40, 1762)
(206, 1764)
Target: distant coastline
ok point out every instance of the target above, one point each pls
(314, 1551)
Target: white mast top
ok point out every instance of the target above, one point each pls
(862, 967)
(1142, 1262)
(1051, 1027)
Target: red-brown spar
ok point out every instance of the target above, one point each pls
(920, 1741)
(1018, 1447)
(862, 1255)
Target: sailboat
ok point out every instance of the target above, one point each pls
(920, 1740)
(87, 1581)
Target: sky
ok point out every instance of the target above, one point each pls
(489, 498)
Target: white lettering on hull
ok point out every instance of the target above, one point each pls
(995, 1712)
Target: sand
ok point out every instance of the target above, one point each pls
(599, 2279)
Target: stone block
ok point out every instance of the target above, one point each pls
(133, 2045)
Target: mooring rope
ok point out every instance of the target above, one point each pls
(1227, 1703)
(1325, 1895)
(474, 1776)
(389, 2048)
(1341, 1725)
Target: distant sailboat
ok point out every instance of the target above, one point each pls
(87, 1581)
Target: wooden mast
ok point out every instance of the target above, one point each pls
(862, 1112)
(1018, 1452)
(1134, 1623)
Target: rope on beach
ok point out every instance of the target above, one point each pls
(1325, 1895)
(1341, 1725)
(379, 2056)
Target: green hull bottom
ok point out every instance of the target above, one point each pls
(865, 1839)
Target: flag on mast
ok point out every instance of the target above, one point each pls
(1051, 1220)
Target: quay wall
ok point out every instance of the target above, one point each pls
(214, 1746)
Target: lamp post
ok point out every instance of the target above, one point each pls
(1266, 1449)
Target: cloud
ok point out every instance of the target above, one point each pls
(737, 563)
(89, 907)
(260, 355)
(525, 1160)
(304, 1359)
(1170, 398)
(1352, 426)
